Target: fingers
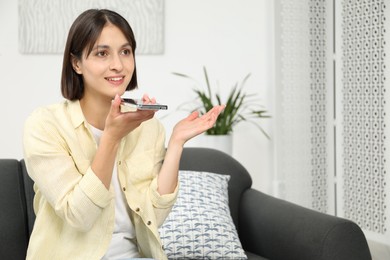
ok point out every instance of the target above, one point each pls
(116, 104)
(193, 115)
(214, 112)
(147, 99)
(210, 116)
(207, 120)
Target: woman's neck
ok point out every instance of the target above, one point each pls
(95, 111)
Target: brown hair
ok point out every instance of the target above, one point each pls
(82, 36)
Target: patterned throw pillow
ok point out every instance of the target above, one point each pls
(200, 225)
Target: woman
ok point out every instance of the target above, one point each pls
(104, 180)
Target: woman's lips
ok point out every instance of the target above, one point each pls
(118, 80)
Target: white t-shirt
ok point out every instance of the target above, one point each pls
(122, 243)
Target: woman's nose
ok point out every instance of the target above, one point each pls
(116, 63)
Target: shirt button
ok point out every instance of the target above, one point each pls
(124, 188)
(149, 223)
(119, 162)
(137, 209)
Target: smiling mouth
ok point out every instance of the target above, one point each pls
(115, 79)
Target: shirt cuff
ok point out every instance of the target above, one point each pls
(162, 201)
(93, 187)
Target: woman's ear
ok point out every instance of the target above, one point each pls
(76, 64)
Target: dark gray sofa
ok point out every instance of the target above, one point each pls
(269, 228)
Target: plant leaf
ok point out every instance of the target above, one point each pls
(239, 106)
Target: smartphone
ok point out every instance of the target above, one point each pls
(129, 104)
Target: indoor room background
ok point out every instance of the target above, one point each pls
(318, 66)
(228, 37)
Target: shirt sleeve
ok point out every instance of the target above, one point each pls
(77, 197)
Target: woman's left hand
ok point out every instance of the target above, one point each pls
(183, 131)
(194, 125)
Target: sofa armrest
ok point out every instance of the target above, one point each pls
(13, 216)
(277, 229)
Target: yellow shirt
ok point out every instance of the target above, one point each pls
(74, 210)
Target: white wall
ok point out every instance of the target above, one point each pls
(229, 37)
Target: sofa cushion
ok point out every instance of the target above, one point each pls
(211, 160)
(200, 225)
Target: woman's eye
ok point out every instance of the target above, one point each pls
(101, 54)
(126, 52)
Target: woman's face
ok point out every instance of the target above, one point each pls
(108, 69)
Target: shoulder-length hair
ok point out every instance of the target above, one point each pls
(82, 36)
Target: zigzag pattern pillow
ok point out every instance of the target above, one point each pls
(200, 225)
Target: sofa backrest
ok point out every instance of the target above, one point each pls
(14, 233)
(211, 160)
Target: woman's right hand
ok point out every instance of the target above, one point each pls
(119, 124)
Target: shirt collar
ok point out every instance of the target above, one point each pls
(75, 112)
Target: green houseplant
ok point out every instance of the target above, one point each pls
(240, 106)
